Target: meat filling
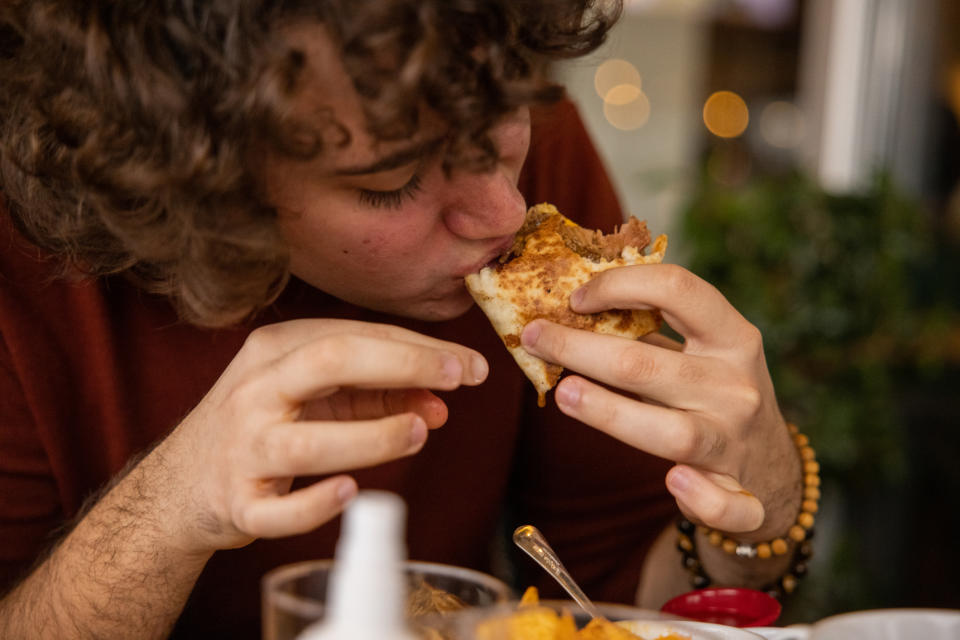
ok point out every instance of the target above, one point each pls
(588, 243)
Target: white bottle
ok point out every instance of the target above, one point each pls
(367, 593)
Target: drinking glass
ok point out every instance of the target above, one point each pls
(293, 596)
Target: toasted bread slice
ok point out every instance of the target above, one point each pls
(551, 257)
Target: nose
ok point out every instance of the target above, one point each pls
(483, 205)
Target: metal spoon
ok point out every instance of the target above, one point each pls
(529, 538)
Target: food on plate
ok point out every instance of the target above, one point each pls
(551, 256)
(425, 599)
(531, 621)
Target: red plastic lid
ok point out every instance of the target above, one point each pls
(731, 606)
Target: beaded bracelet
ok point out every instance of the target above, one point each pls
(800, 533)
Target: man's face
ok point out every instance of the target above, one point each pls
(381, 224)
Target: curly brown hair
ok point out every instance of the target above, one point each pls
(127, 125)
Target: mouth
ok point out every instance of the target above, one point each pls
(491, 258)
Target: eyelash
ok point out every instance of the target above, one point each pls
(391, 199)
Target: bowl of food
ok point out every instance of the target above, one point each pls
(294, 596)
(533, 619)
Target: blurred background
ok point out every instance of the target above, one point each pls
(804, 157)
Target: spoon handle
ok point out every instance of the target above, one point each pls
(529, 538)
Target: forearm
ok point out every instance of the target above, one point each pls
(118, 574)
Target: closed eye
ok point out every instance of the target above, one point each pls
(393, 199)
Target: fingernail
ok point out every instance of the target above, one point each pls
(568, 395)
(452, 369)
(530, 335)
(479, 368)
(346, 491)
(418, 432)
(678, 480)
(576, 298)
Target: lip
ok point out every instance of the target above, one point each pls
(494, 253)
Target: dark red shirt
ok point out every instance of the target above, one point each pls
(91, 372)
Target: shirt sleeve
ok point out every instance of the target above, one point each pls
(29, 501)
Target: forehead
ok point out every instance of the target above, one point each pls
(325, 95)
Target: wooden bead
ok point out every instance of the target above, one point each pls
(792, 428)
(811, 493)
(801, 440)
(684, 542)
(764, 551)
(778, 546)
(729, 546)
(810, 506)
(789, 583)
(805, 520)
(715, 538)
(811, 480)
(797, 533)
(811, 466)
(807, 453)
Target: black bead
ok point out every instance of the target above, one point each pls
(774, 592)
(690, 563)
(805, 551)
(686, 526)
(700, 581)
(809, 534)
(799, 569)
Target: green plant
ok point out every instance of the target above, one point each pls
(858, 308)
(829, 280)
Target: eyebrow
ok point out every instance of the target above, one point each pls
(394, 160)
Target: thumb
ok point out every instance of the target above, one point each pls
(715, 500)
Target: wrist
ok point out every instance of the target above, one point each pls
(773, 564)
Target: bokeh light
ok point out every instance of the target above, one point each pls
(628, 115)
(614, 73)
(725, 114)
(622, 94)
(782, 125)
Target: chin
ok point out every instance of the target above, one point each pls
(436, 309)
(446, 308)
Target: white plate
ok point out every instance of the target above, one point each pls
(695, 630)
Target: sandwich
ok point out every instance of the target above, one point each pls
(550, 257)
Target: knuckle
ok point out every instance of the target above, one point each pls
(260, 341)
(330, 354)
(685, 442)
(286, 447)
(752, 340)
(690, 442)
(749, 399)
(634, 365)
(691, 371)
(678, 280)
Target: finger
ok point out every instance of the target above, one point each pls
(663, 432)
(368, 362)
(716, 501)
(315, 448)
(368, 404)
(274, 340)
(681, 380)
(662, 341)
(297, 512)
(692, 306)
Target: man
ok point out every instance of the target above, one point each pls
(307, 184)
